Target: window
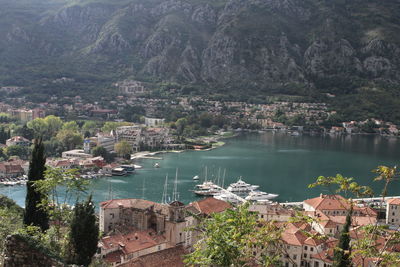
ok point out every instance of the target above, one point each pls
(305, 247)
(392, 220)
(305, 255)
(295, 257)
(311, 248)
(316, 264)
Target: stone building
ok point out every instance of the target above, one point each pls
(393, 212)
(137, 227)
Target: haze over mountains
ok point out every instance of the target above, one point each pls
(296, 47)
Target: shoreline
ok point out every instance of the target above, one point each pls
(151, 154)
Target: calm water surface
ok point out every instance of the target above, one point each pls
(278, 162)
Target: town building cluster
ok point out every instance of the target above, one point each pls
(135, 228)
(274, 115)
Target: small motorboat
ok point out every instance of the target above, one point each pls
(156, 165)
(196, 178)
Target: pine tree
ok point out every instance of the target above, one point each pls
(341, 256)
(35, 215)
(84, 234)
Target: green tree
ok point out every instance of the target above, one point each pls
(102, 152)
(55, 203)
(69, 138)
(70, 126)
(23, 131)
(39, 127)
(53, 124)
(112, 125)
(123, 148)
(341, 256)
(17, 150)
(180, 125)
(90, 126)
(84, 234)
(228, 239)
(34, 214)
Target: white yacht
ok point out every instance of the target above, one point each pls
(241, 187)
(228, 197)
(260, 196)
(207, 188)
(206, 185)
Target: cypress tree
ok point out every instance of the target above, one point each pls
(341, 256)
(35, 215)
(84, 234)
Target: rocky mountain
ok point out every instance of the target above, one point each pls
(273, 46)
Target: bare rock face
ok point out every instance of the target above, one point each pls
(269, 43)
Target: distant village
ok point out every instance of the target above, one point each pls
(138, 231)
(282, 115)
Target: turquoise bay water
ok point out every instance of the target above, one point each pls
(278, 162)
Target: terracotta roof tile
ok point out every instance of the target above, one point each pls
(394, 201)
(132, 242)
(210, 205)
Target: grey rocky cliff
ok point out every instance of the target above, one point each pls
(269, 43)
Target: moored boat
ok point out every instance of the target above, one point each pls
(241, 187)
(260, 196)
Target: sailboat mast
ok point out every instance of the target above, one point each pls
(175, 193)
(223, 178)
(143, 189)
(164, 199)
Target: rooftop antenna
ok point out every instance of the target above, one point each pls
(164, 199)
(175, 194)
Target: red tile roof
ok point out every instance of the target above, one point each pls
(328, 202)
(210, 205)
(168, 257)
(132, 242)
(394, 201)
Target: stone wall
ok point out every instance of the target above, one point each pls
(18, 253)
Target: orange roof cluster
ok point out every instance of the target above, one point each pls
(130, 243)
(295, 234)
(210, 205)
(336, 202)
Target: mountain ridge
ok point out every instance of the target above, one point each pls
(295, 47)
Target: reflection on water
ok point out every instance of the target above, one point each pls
(278, 162)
